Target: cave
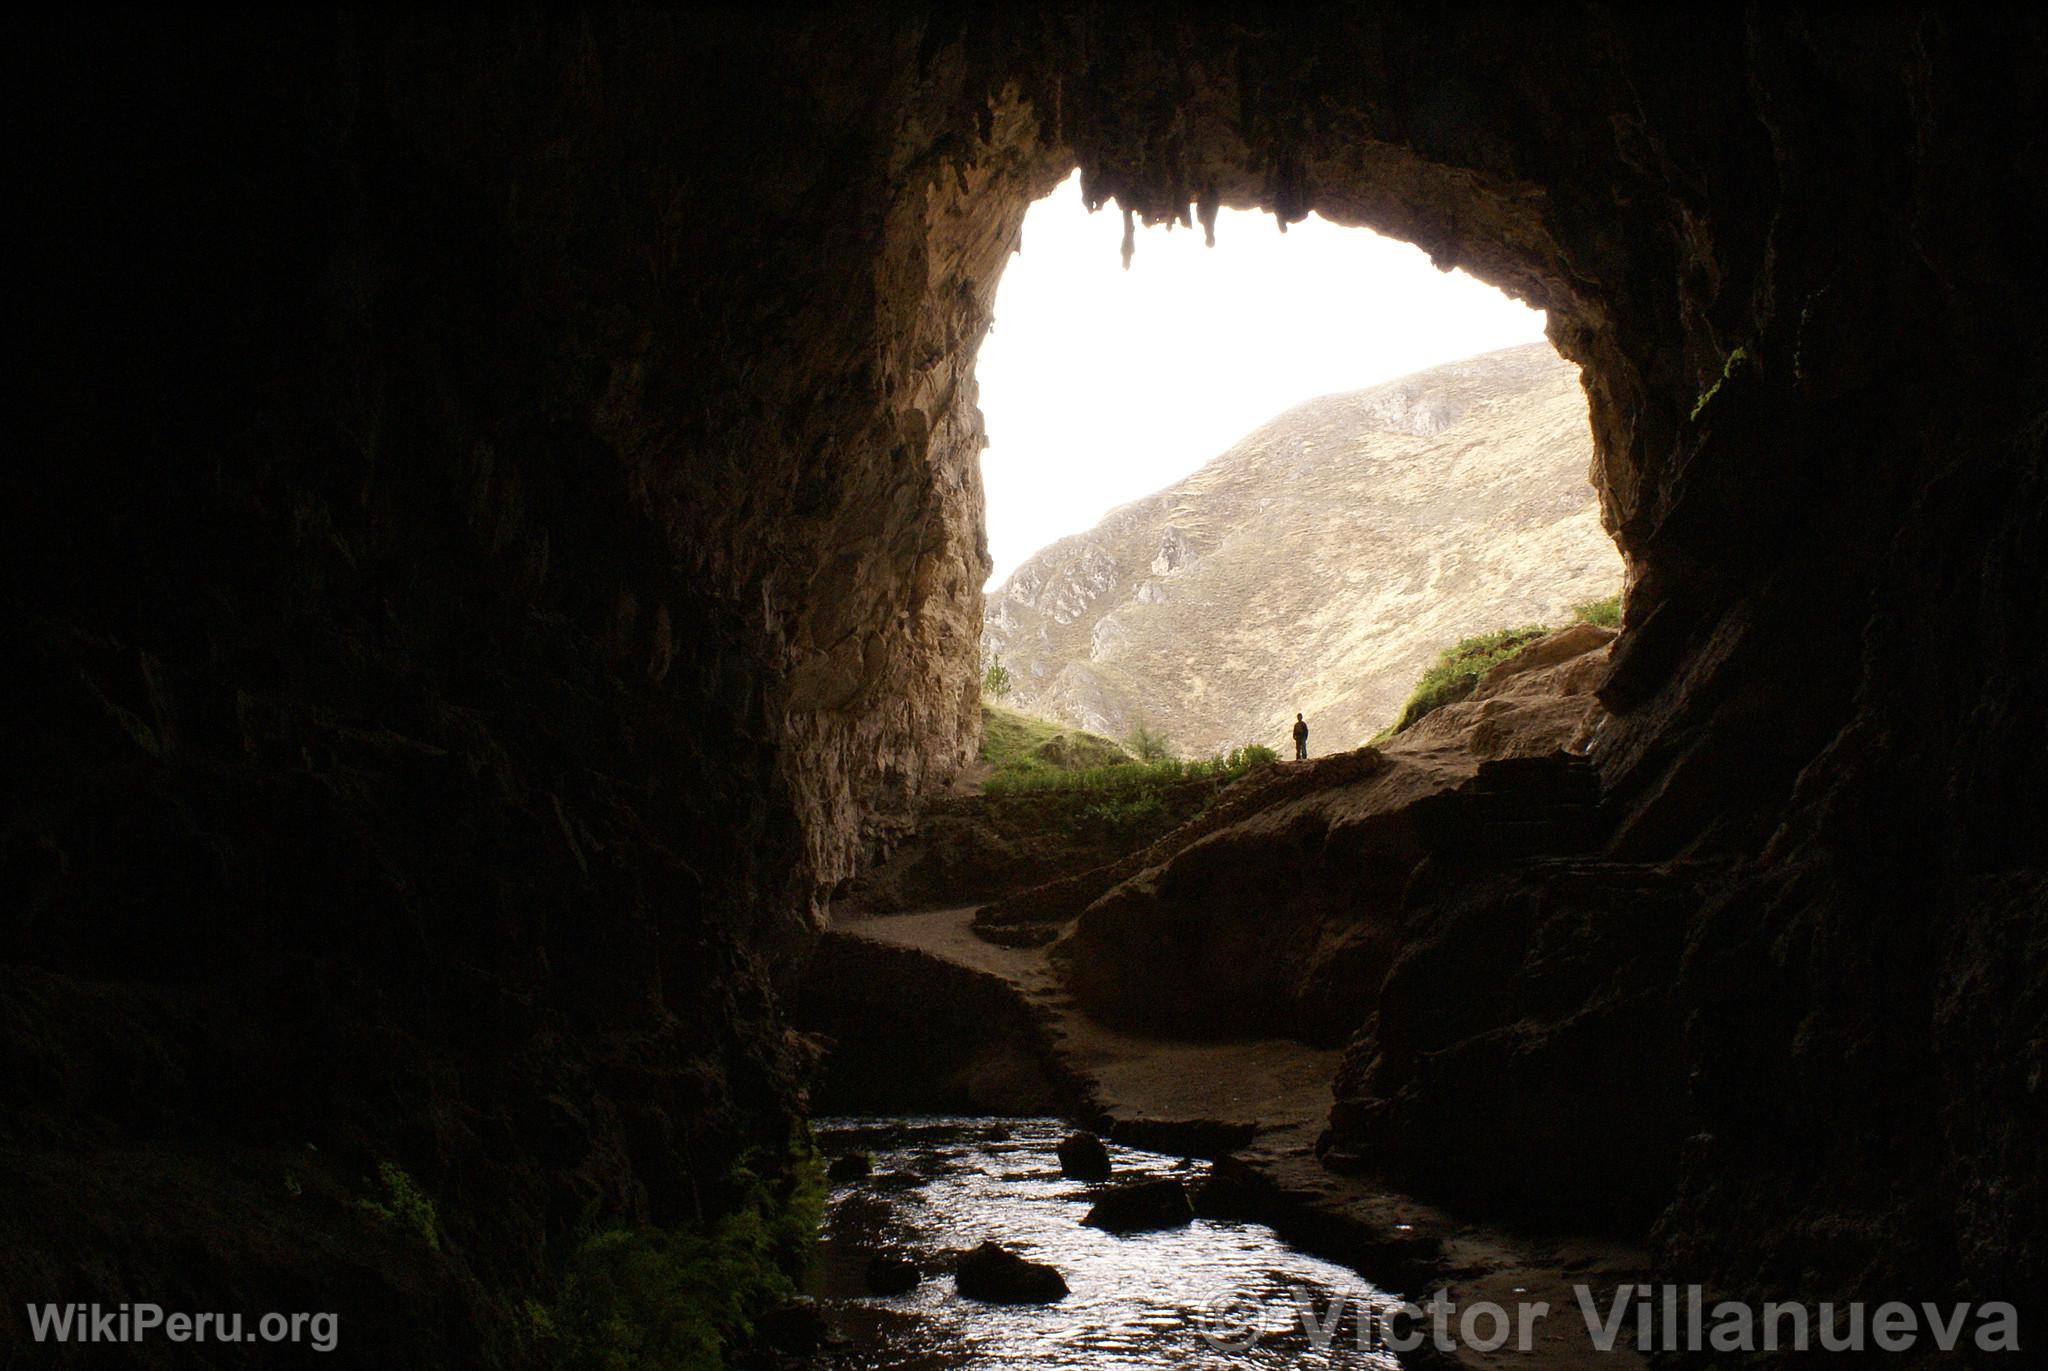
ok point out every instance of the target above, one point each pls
(494, 532)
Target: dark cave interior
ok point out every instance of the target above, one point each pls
(495, 516)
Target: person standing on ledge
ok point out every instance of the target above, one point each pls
(1300, 739)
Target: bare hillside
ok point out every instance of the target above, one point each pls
(1320, 564)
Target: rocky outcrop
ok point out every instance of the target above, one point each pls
(950, 1041)
(1527, 1017)
(1283, 912)
(1320, 564)
(961, 849)
(1058, 900)
(492, 514)
(1540, 700)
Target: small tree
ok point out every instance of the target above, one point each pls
(995, 682)
(1148, 746)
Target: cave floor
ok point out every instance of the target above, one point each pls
(1175, 1094)
(1265, 1084)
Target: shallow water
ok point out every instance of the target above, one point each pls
(1213, 1294)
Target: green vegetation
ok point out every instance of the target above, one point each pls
(650, 1299)
(1123, 814)
(1085, 781)
(1019, 747)
(1148, 746)
(996, 682)
(1457, 670)
(1735, 359)
(1128, 801)
(1132, 778)
(1604, 613)
(403, 1202)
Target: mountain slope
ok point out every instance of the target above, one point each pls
(1319, 564)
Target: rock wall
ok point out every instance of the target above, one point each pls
(497, 509)
(1282, 910)
(494, 510)
(1778, 246)
(956, 1041)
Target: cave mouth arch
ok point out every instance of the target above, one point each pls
(1729, 267)
(1295, 389)
(1575, 218)
(1216, 142)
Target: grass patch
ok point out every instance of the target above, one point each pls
(1457, 671)
(1604, 613)
(1125, 801)
(1084, 783)
(1020, 747)
(1008, 736)
(1128, 778)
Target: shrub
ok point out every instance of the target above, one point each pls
(403, 1202)
(1125, 814)
(680, 1299)
(1457, 671)
(1082, 783)
(1148, 746)
(1605, 613)
(996, 682)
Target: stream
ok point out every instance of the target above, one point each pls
(1215, 1293)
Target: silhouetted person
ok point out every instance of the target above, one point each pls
(1300, 739)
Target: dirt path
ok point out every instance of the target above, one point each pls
(1264, 1102)
(1259, 1086)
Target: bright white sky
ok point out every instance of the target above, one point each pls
(1101, 385)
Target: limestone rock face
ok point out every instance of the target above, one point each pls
(1537, 702)
(491, 516)
(1320, 564)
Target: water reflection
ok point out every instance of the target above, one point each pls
(1214, 1294)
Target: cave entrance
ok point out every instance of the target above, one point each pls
(1226, 483)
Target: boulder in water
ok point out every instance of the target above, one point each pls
(891, 1275)
(995, 1275)
(1142, 1207)
(1083, 1157)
